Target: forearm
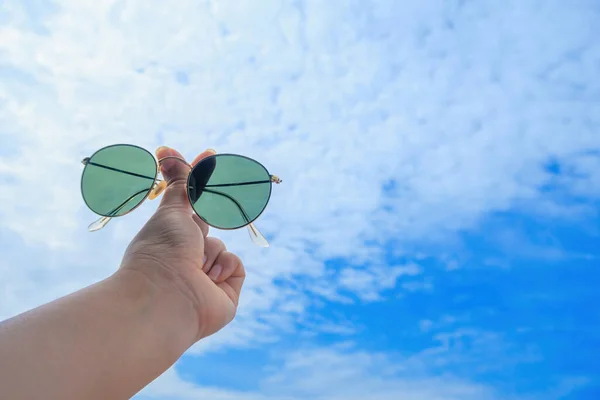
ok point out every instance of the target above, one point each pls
(106, 341)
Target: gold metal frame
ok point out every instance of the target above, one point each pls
(159, 187)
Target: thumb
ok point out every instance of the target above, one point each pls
(175, 171)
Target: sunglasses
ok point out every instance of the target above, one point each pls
(227, 191)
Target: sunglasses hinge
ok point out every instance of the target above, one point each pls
(85, 161)
(275, 179)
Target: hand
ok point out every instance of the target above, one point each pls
(174, 252)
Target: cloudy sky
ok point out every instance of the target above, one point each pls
(436, 233)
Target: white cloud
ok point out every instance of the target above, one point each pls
(170, 386)
(417, 90)
(369, 283)
(339, 373)
(404, 124)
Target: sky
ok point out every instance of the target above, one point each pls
(436, 233)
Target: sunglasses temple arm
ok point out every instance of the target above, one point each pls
(257, 237)
(99, 224)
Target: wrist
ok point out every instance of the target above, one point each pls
(171, 315)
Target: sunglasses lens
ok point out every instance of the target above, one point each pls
(229, 191)
(116, 179)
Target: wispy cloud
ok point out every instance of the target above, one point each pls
(397, 127)
(331, 374)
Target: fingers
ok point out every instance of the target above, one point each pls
(173, 169)
(221, 265)
(203, 155)
(213, 247)
(231, 277)
(176, 172)
(226, 265)
(201, 224)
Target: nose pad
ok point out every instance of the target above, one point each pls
(157, 189)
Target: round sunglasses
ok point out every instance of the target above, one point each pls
(227, 191)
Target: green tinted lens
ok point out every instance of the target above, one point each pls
(229, 191)
(117, 179)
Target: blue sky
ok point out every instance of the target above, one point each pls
(436, 233)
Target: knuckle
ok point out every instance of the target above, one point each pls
(233, 263)
(214, 244)
(179, 180)
(234, 260)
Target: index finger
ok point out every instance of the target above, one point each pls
(203, 155)
(203, 225)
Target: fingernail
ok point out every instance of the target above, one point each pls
(161, 148)
(215, 272)
(213, 151)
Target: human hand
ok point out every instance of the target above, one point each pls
(174, 252)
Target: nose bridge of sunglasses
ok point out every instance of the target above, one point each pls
(176, 158)
(157, 189)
